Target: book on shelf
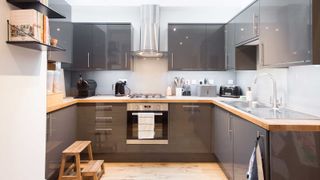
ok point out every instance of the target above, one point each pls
(28, 25)
(45, 2)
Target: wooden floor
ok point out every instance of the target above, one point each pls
(163, 171)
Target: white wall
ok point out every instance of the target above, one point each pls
(23, 108)
(298, 86)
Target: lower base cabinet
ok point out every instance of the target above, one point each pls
(104, 125)
(294, 155)
(234, 140)
(61, 133)
(189, 128)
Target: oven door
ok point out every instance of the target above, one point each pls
(160, 128)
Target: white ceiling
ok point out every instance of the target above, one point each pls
(176, 3)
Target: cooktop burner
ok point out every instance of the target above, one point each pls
(148, 96)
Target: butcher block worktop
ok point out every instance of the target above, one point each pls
(268, 124)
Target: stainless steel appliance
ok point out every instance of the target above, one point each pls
(207, 90)
(230, 91)
(160, 112)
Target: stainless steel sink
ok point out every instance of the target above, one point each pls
(265, 112)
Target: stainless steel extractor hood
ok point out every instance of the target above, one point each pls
(149, 32)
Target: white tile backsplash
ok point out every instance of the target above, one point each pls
(298, 86)
(148, 76)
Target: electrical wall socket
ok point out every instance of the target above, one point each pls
(211, 81)
(193, 82)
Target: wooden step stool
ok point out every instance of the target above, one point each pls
(74, 150)
(94, 169)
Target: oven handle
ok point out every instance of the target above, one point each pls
(156, 114)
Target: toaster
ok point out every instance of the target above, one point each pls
(230, 91)
(86, 88)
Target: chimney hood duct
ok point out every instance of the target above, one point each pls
(149, 32)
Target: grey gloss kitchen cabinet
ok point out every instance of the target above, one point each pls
(102, 46)
(285, 33)
(230, 45)
(247, 24)
(82, 46)
(294, 155)
(215, 48)
(223, 140)
(244, 139)
(104, 124)
(234, 140)
(190, 128)
(61, 133)
(119, 47)
(196, 47)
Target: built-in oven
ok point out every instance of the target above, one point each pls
(147, 123)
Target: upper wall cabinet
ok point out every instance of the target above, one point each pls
(285, 33)
(247, 24)
(230, 45)
(101, 46)
(195, 47)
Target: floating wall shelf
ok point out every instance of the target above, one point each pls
(37, 5)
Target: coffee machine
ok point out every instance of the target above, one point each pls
(120, 88)
(86, 88)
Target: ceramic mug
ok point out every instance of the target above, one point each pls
(179, 91)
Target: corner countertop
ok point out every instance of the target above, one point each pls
(268, 124)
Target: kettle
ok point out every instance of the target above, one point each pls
(120, 88)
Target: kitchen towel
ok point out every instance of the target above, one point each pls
(146, 124)
(255, 169)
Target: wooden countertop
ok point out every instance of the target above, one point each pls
(268, 124)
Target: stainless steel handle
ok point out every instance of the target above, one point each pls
(255, 24)
(88, 59)
(103, 118)
(50, 125)
(126, 60)
(191, 106)
(103, 129)
(229, 130)
(172, 60)
(102, 107)
(261, 55)
(156, 114)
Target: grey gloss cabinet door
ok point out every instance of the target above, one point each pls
(285, 32)
(118, 46)
(186, 46)
(230, 46)
(82, 46)
(99, 46)
(104, 124)
(190, 128)
(223, 140)
(63, 31)
(299, 155)
(247, 24)
(245, 135)
(61, 133)
(215, 48)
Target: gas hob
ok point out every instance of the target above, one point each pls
(146, 96)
